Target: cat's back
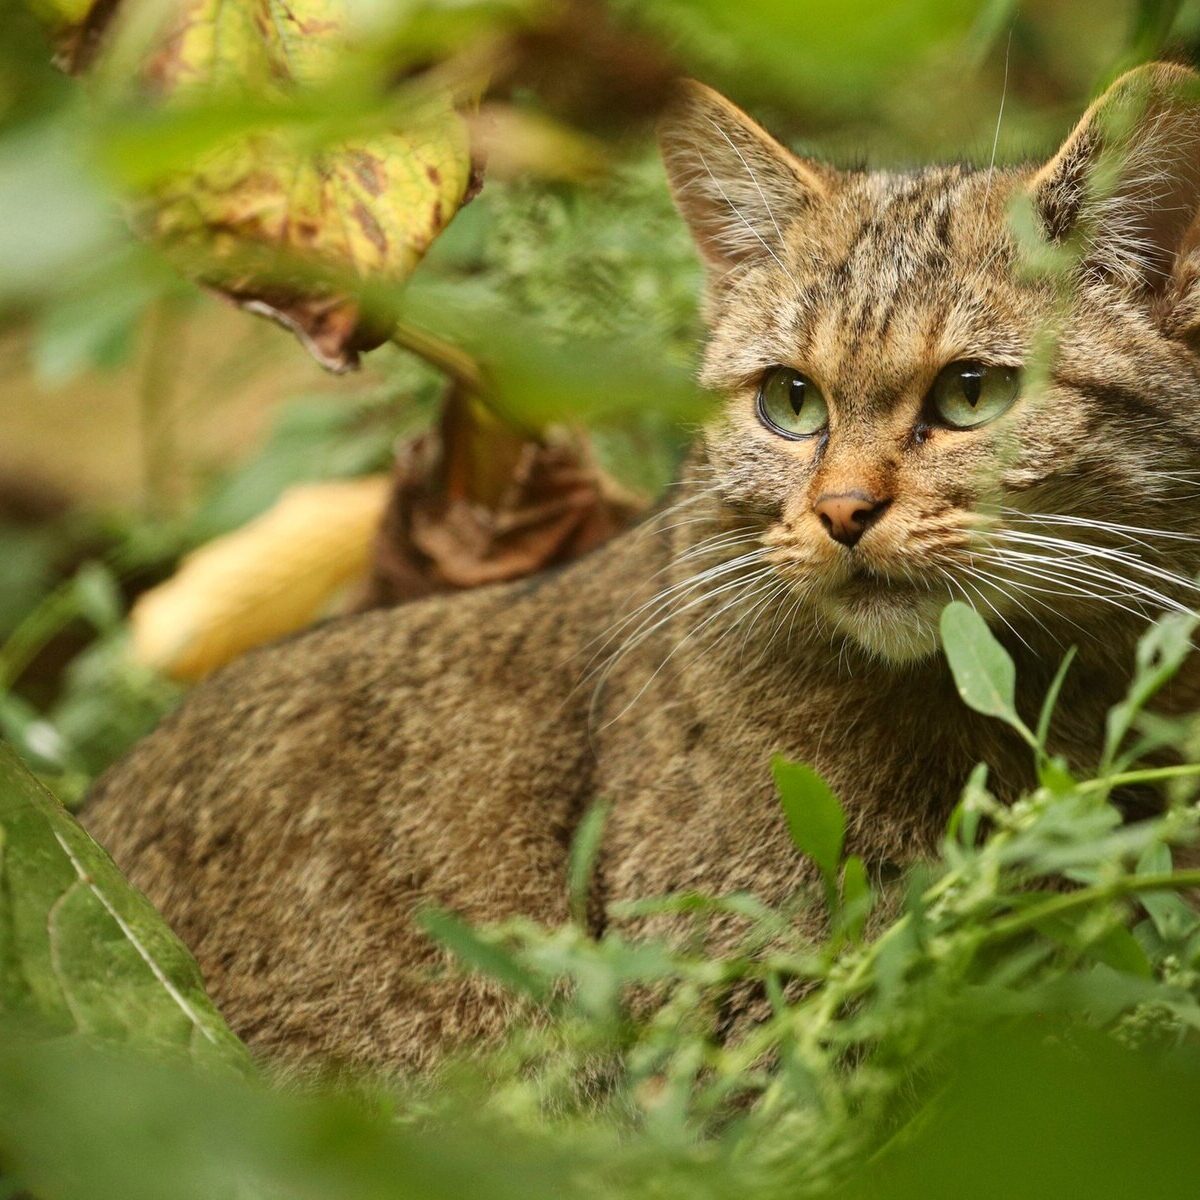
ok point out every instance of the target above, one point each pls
(302, 803)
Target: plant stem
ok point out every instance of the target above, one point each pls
(162, 470)
(1150, 775)
(451, 360)
(1125, 886)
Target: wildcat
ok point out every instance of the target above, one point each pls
(879, 452)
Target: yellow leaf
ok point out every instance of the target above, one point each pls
(267, 579)
(369, 208)
(271, 208)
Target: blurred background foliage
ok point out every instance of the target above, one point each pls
(143, 415)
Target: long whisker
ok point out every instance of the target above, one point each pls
(1138, 531)
(1073, 576)
(724, 608)
(665, 600)
(1087, 551)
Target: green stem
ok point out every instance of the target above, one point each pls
(162, 471)
(1149, 775)
(451, 360)
(1162, 881)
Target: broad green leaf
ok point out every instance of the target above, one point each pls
(1120, 950)
(982, 669)
(264, 195)
(80, 950)
(814, 816)
(1115, 947)
(77, 1123)
(260, 212)
(1172, 916)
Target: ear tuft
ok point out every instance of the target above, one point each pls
(1128, 176)
(735, 185)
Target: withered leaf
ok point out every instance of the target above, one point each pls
(288, 221)
(476, 502)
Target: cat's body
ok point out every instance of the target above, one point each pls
(298, 810)
(292, 815)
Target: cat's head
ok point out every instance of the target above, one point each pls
(915, 411)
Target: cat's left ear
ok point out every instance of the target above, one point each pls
(1128, 177)
(738, 189)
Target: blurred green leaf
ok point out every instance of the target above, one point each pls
(313, 438)
(479, 954)
(585, 847)
(856, 897)
(80, 1124)
(1161, 652)
(80, 950)
(98, 596)
(56, 214)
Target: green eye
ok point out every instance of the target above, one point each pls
(791, 404)
(967, 394)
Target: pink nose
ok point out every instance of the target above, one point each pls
(848, 515)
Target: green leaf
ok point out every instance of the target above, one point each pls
(480, 954)
(584, 848)
(857, 898)
(1160, 653)
(77, 1123)
(1172, 916)
(983, 671)
(814, 816)
(1115, 947)
(1050, 701)
(1119, 949)
(98, 596)
(81, 951)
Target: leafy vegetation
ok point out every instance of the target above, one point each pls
(1020, 1016)
(1044, 970)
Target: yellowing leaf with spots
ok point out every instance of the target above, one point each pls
(277, 206)
(269, 578)
(269, 226)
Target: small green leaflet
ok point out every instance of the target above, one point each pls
(477, 953)
(81, 951)
(856, 898)
(814, 816)
(1161, 651)
(585, 847)
(983, 671)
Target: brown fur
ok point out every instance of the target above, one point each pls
(295, 812)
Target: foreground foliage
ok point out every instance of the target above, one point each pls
(1038, 985)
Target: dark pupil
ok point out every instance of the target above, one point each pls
(796, 395)
(972, 385)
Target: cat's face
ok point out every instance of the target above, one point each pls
(914, 415)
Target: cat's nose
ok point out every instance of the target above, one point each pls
(848, 515)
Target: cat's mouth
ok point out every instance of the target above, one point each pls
(863, 583)
(893, 616)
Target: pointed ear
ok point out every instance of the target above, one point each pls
(1128, 177)
(736, 186)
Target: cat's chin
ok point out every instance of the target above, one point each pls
(893, 630)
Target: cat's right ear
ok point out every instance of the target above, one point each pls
(736, 186)
(1128, 178)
